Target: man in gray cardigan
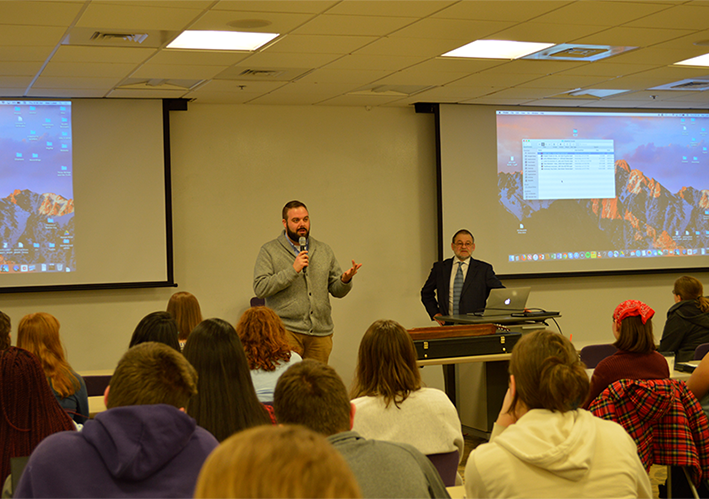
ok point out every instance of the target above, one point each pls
(296, 281)
(312, 394)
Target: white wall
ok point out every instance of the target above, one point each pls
(368, 178)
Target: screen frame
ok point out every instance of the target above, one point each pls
(167, 106)
(434, 108)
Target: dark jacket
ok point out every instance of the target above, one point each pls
(686, 328)
(479, 280)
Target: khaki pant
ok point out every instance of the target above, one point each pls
(311, 347)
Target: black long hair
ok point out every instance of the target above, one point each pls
(226, 401)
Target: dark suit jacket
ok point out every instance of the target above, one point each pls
(479, 280)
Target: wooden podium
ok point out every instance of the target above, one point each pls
(450, 346)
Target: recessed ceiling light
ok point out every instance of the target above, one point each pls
(497, 49)
(221, 40)
(702, 60)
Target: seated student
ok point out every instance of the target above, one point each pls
(698, 383)
(636, 357)
(312, 394)
(390, 401)
(144, 445)
(184, 308)
(39, 333)
(226, 401)
(542, 444)
(264, 338)
(276, 461)
(687, 324)
(5, 329)
(156, 326)
(30, 412)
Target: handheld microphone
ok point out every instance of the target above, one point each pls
(303, 242)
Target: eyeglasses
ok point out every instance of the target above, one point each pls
(467, 244)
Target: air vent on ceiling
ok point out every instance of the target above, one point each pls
(119, 37)
(261, 73)
(696, 84)
(577, 52)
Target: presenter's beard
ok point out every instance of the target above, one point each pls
(295, 237)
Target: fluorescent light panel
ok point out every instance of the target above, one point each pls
(221, 40)
(497, 49)
(702, 60)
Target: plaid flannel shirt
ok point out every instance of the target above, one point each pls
(664, 418)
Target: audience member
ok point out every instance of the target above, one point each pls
(542, 444)
(39, 333)
(636, 357)
(312, 394)
(5, 330)
(184, 308)
(390, 401)
(276, 461)
(698, 383)
(687, 324)
(144, 445)
(156, 326)
(29, 410)
(265, 342)
(226, 401)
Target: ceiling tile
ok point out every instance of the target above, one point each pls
(632, 37)
(485, 10)
(170, 71)
(30, 36)
(353, 25)
(113, 55)
(546, 32)
(136, 17)
(31, 13)
(310, 7)
(453, 29)
(20, 68)
(320, 44)
(605, 13)
(280, 22)
(356, 77)
(88, 69)
(280, 60)
(418, 8)
(681, 17)
(222, 58)
(26, 54)
(59, 82)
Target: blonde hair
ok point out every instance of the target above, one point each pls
(39, 333)
(276, 461)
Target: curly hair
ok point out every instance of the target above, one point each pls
(264, 338)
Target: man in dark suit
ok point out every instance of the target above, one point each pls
(476, 277)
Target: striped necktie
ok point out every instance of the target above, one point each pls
(457, 288)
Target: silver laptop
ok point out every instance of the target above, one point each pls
(504, 301)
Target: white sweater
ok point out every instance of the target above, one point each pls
(427, 420)
(549, 454)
